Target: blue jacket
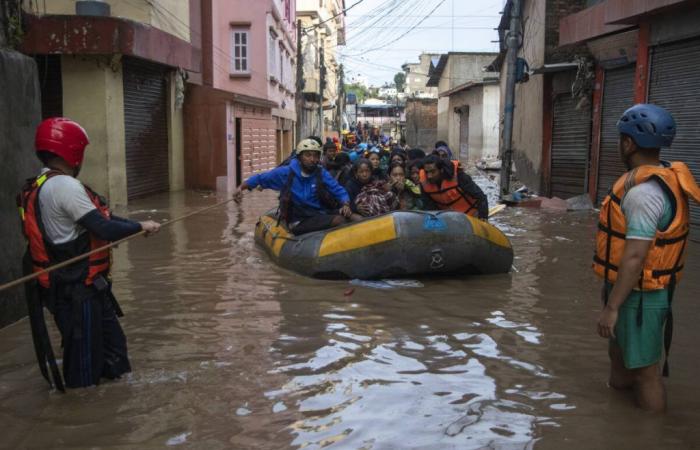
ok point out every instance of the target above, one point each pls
(304, 197)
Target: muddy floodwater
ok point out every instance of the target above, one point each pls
(229, 351)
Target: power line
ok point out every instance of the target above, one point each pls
(333, 17)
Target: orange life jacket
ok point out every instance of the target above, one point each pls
(663, 265)
(449, 195)
(33, 229)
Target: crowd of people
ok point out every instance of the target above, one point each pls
(326, 184)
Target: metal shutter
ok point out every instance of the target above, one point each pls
(675, 84)
(570, 143)
(618, 95)
(51, 84)
(146, 128)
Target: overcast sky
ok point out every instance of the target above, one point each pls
(372, 25)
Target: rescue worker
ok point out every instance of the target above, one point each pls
(449, 187)
(62, 218)
(310, 198)
(640, 252)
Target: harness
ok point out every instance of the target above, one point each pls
(327, 200)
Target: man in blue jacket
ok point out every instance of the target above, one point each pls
(310, 198)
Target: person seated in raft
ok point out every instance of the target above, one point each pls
(374, 157)
(413, 171)
(408, 193)
(450, 188)
(376, 198)
(341, 168)
(397, 156)
(329, 153)
(415, 154)
(310, 198)
(360, 176)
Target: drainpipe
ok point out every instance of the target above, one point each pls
(513, 42)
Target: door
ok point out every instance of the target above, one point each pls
(674, 84)
(618, 95)
(571, 131)
(51, 85)
(146, 128)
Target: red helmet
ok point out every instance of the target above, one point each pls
(62, 137)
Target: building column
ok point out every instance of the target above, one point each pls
(641, 81)
(93, 96)
(176, 136)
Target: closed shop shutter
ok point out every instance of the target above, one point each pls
(51, 84)
(146, 128)
(570, 143)
(618, 95)
(675, 84)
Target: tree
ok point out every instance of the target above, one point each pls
(400, 81)
(359, 90)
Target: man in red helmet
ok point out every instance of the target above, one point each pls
(62, 218)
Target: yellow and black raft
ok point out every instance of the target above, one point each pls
(402, 243)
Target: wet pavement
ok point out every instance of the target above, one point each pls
(231, 352)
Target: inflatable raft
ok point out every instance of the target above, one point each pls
(402, 243)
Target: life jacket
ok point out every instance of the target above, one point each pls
(325, 198)
(663, 265)
(43, 253)
(449, 195)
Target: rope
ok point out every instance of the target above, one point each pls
(68, 262)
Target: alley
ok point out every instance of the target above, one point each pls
(231, 352)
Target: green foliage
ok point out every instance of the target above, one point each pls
(400, 81)
(361, 92)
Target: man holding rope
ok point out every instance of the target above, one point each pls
(62, 219)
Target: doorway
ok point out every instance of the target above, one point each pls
(239, 151)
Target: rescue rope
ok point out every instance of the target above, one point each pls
(68, 262)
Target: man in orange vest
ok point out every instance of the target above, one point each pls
(640, 252)
(448, 187)
(61, 219)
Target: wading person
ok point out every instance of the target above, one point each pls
(449, 187)
(310, 198)
(62, 218)
(640, 252)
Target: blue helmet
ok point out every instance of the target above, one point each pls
(648, 125)
(363, 146)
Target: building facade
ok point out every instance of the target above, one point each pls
(323, 22)
(417, 75)
(240, 107)
(641, 52)
(421, 122)
(468, 102)
(120, 75)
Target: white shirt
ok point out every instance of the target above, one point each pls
(63, 201)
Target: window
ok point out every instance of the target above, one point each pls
(240, 64)
(272, 69)
(281, 65)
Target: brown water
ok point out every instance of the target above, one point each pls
(231, 352)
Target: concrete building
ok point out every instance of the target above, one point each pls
(417, 77)
(118, 75)
(323, 22)
(421, 122)
(641, 52)
(550, 155)
(240, 107)
(467, 110)
(388, 92)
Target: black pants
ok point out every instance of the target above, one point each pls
(94, 344)
(314, 223)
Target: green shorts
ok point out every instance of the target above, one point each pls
(642, 345)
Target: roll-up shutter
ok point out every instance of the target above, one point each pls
(675, 85)
(51, 84)
(146, 128)
(618, 95)
(570, 142)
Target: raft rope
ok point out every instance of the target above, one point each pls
(68, 262)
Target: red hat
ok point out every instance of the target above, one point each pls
(62, 137)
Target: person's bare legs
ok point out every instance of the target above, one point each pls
(620, 377)
(649, 389)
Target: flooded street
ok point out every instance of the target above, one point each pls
(229, 351)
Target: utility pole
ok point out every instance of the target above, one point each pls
(299, 97)
(513, 43)
(321, 87)
(340, 104)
